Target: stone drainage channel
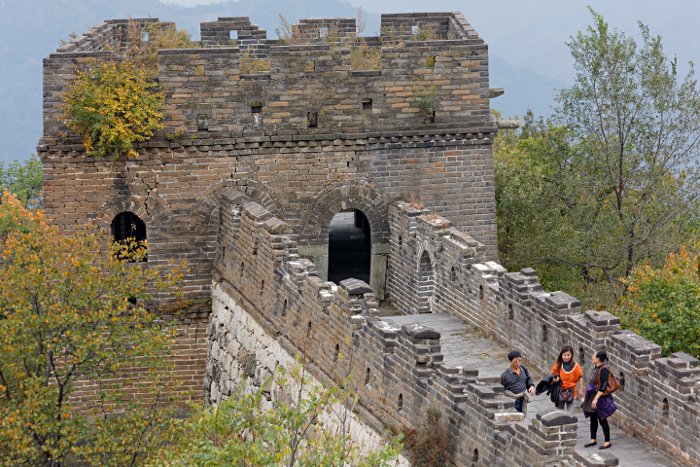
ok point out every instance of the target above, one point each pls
(464, 346)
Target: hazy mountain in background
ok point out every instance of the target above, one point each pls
(528, 54)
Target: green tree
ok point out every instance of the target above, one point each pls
(615, 172)
(290, 421)
(72, 315)
(25, 179)
(663, 304)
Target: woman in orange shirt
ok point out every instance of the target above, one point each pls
(570, 373)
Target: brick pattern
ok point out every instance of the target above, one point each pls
(658, 402)
(356, 158)
(189, 361)
(248, 36)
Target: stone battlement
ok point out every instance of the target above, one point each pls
(399, 371)
(512, 307)
(309, 88)
(261, 275)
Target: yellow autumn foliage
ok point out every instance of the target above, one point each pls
(113, 106)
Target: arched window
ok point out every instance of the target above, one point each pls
(128, 228)
(511, 313)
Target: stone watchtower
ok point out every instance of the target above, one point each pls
(275, 185)
(307, 140)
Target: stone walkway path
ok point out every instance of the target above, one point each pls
(463, 346)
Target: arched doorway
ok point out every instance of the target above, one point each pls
(426, 280)
(349, 247)
(127, 227)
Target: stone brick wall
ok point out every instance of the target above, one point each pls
(398, 372)
(189, 363)
(356, 158)
(242, 355)
(658, 401)
(248, 36)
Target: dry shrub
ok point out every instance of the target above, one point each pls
(250, 64)
(424, 34)
(364, 57)
(391, 37)
(160, 36)
(415, 201)
(429, 444)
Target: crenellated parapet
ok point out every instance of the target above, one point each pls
(270, 306)
(309, 89)
(513, 308)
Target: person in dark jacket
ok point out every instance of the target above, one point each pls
(550, 386)
(597, 406)
(517, 382)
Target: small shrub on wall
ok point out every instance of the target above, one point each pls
(290, 421)
(429, 444)
(113, 106)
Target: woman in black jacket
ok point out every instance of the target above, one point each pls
(596, 405)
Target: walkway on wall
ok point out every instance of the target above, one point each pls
(464, 346)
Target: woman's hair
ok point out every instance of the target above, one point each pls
(560, 360)
(602, 355)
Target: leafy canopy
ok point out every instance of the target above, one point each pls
(66, 320)
(113, 106)
(612, 179)
(24, 179)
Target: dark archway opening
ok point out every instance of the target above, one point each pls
(426, 280)
(349, 247)
(127, 227)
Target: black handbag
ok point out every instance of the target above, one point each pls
(565, 395)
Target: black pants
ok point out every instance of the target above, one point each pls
(594, 426)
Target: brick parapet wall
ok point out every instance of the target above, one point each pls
(375, 155)
(208, 80)
(659, 399)
(174, 187)
(248, 36)
(399, 372)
